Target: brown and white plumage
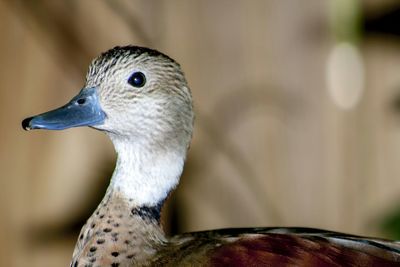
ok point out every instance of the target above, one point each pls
(139, 97)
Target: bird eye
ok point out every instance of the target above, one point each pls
(137, 79)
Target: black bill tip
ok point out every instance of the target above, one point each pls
(26, 124)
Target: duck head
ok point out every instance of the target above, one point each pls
(140, 98)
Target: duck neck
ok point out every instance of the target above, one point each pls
(145, 174)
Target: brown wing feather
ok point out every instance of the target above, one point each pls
(294, 250)
(277, 247)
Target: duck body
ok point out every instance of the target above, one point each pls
(130, 236)
(139, 97)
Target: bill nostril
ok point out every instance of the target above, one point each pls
(81, 101)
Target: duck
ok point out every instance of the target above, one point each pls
(140, 99)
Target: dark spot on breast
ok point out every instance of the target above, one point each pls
(80, 236)
(93, 225)
(116, 224)
(92, 260)
(127, 242)
(130, 256)
(92, 249)
(76, 264)
(107, 230)
(101, 216)
(115, 254)
(100, 241)
(114, 236)
(97, 212)
(114, 264)
(120, 216)
(152, 213)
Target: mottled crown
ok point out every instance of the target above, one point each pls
(122, 55)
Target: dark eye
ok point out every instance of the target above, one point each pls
(137, 79)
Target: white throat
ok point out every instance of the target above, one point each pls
(145, 175)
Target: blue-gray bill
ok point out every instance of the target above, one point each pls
(83, 110)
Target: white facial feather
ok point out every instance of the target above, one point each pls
(145, 176)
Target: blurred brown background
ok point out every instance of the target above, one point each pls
(297, 107)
